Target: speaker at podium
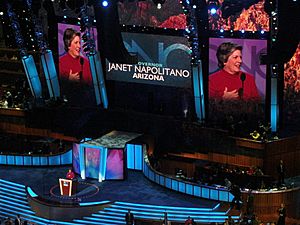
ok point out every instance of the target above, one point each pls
(66, 187)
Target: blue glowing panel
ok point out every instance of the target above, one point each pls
(76, 161)
(230, 197)
(115, 164)
(92, 162)
(189, 189)
(138, 162)
(175, 185)
(36, 161)
(162, 180)
(214, 194)
(19, 160)
(66, 158)
(157, 177)
(181, 187)
(205, 192)
(3, 159)
(146, 170)
(168, 183)
(44, 161)
(54, 160)
(151, 175)
(223, 196)
(10, 160)
(130, 156)
(27, 160)
(197, 191)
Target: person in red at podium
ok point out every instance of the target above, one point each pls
(230, 83)
(70, 175)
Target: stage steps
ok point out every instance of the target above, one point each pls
(115, 214)
(13, 202)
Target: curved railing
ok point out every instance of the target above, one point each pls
(203, 191)
(37, 160)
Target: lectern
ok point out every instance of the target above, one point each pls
(65, 186)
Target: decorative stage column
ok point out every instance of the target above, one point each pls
(274, 99)
(102, 165)
(198, 90)
(50, 74)
(32, 76)
(98, 79)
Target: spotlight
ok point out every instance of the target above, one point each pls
(262, 31)
(104, 3)
(213, 11)
(212, 6)
(159, 3)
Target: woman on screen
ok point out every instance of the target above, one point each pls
(74, 69)
(230, 83)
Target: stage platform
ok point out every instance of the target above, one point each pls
(136, 188)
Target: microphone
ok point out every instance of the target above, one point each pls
(81, 71)
(241, 90)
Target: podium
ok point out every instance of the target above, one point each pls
(65, 186)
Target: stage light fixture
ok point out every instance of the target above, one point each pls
(158, 3)
(212, 6)
(104, 3)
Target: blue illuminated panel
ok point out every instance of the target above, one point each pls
(3, 159)
(146, 170)
(175, 185)
(130, 156)
(19, 160)
(230, 197)
(168, 182)
(189, 189)
(157, 178)
(44, 161)
(66, 158)
(151, 175)
(138, 157)
(223, 195)
(214, 194)
(181, 187)
(54, 160)
(197, 191)
(162, 180)
(205, 192)
(10, 160)
(27, 160)
(36, 161)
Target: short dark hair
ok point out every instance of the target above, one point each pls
(225, 50)
(69, 35)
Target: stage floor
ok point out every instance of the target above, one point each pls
(135, 188)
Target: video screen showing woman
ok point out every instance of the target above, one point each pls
(236, 85)
(74, 68)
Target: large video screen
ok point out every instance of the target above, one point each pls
(115, 164)
(292, 89)
(92, 162)
(146, 13)
(238, 15)
(74, 69)
(237, 81)
(76, 160)
(162, 60)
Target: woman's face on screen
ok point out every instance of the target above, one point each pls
(74, 48)
(234, 62)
